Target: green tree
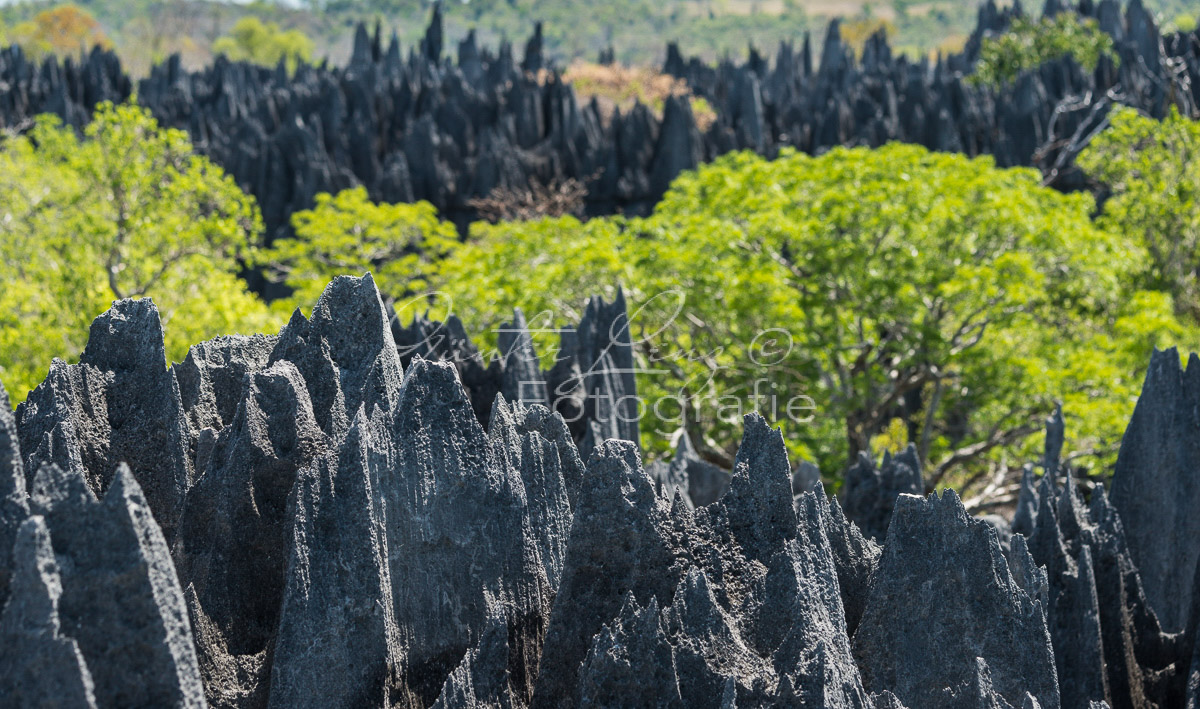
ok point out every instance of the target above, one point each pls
(1030, 43)
(910, 296)
(347, 233)
(128, 211)
(253, 40)
(1153, 170)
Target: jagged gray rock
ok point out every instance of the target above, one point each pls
(779, 575)
(711, 659)
(699, 481)
(1154, 485)
(120, 404)
(942, 597)
(42, 666)
(869, 491)
(210, 377)
(805, 478)
(352, 536)
(591, 384)
(620, 543)
(232, 547)
(519, 438)
(631, 662)
(1027, 509)
(14, 506)
(121, 600)
(481, 679)
(337, 641)
(1072, 613)
(855, 557)
(457, 519)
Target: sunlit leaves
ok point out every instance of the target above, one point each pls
(347, 233)
(915, 291)
(128, 210)
(1029, 43)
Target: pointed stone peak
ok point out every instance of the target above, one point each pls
(1055, 431)
(297, 325)
(1026, 572)
(126, 337)
(932, 547)
(869, 493)
(125, 490)
(14, 500)
(36, 583)
(503, 418)
(696, 613)
(41, 667)
(759, 501)
(432, 395)
(1072, 516)
(631, 661)
(12, 467)
(618, 461)
(1027, 503)
(482, 678)
(350, 315)
(55, 488)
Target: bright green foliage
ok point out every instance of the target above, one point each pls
(347, 233)
(1029, 43)
(127, 211)
(253, 40)
(887, 285)
(1153, 170)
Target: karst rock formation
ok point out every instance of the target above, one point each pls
(351, 514)
(449, 127)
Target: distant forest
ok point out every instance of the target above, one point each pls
(145, 31)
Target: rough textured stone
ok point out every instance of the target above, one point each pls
(457, 519)
(396, 554)
(337, 638)
(481, 679)
(942, 597)
(516, 434)
(120, 404)
(1155, 487)
(698, 481)
(591, 383)
(855, 557)
(14, 506)
(232, 547)
(631, 662)
(710, 656)
(42, 666)
(121, 601)
(870, 491)
(210, 378)
(1072, 611)
(619, 544)
(425, 127)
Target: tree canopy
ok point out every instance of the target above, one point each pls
(66, 30)
(891, 296)
(126, 211)
(348, 233)
(1151, 168)
(265, 43)
(1030, 43)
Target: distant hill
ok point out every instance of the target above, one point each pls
(637, 30)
